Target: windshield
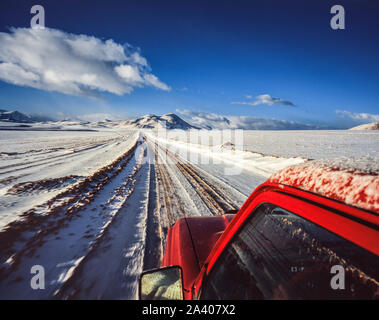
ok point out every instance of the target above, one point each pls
(279, 255)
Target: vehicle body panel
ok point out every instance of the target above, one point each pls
(190, 241)
(353, 224)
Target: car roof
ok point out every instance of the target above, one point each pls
(353, 181)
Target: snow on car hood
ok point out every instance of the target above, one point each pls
(353, 181)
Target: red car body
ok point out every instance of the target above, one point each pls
(195, 243)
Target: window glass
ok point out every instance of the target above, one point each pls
(279, 255)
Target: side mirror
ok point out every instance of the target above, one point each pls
(162, 284)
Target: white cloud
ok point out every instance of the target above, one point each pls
(215, 121)
(264, 99)
(360, 117)
(54, 60)
(129, 73)
(16, 74)
(155, 82)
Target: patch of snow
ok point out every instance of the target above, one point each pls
(354, 181)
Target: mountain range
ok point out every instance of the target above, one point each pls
(151, 121)
(15, 116)
(16, 119)
(170, 121)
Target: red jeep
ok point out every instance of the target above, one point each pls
(309, 232)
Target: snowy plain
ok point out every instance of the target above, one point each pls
(246, 158)
(307, 144)
(36, 165)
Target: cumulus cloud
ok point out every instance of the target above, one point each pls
(264, 99)
(215, 121)
(155, 82)
(360, 117)
(205, 120)
(54, 60)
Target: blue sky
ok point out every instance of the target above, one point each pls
(218, 57)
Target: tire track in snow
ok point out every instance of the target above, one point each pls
(51, 159)
(174, 175)
(123, 245)
(169, 199)
(154, 235)
(23, 237)
(65, 255)
(216, 199)
(169, 207)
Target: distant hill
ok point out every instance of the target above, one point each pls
(367, 126)
(151, 121)
(15, 116)
(169, 121)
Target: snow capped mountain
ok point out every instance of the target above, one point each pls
(151, 121)
(172, 121)
(367, 126)
(15, 116)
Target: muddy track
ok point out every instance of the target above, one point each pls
(169, 204)
(54, 214)
(154, 236)
(69, 289)
(41, 185)
(169, 197)
(216, 200)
